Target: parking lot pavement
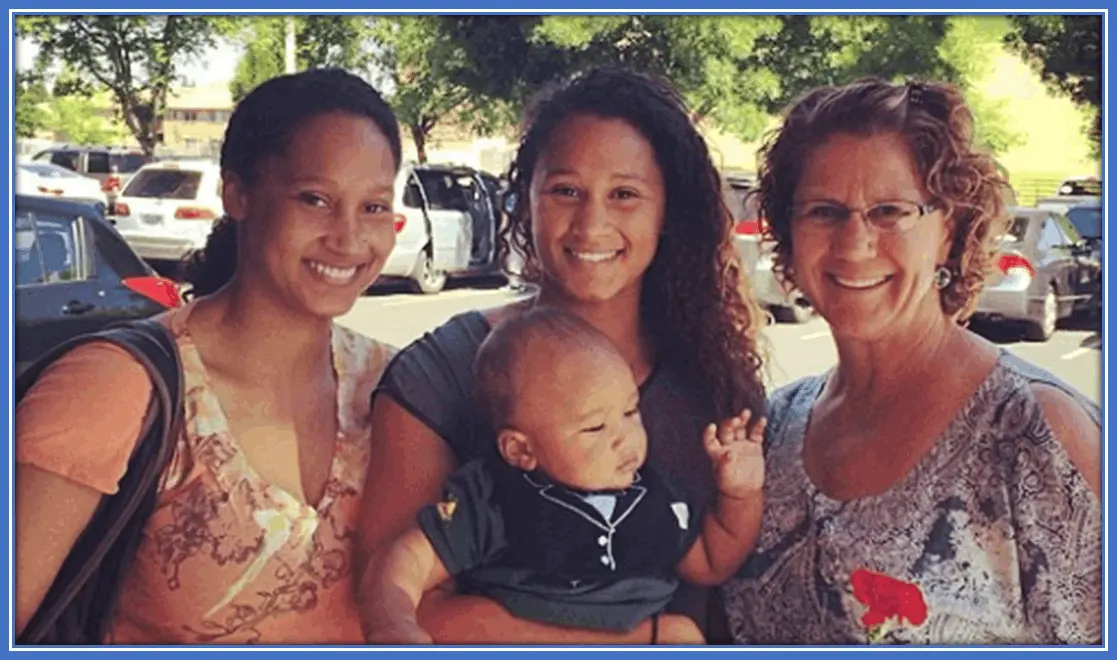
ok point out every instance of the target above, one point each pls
(794, 351)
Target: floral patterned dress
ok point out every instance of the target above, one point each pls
(228, 557)
(995, 533)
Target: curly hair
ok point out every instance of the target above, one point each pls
(262, 125)
(936, 123)
(695, 303)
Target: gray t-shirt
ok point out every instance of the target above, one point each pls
(433, 380)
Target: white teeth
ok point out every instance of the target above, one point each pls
(333, 274)
(859, 284)
(595, 256)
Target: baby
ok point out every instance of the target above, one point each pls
(564, 523)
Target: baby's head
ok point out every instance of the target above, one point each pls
(562, 399)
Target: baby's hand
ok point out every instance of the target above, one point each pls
(737, 454)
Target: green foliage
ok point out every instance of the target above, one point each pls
(133, 57)
(733, 70)
(970, 47)
(75, 120)
(419, 68)
(320, 41)
(31, 95)
(1067, 53)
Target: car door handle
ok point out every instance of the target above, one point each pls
(76, 307)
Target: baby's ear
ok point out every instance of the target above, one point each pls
(515, 448)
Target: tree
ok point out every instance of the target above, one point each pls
(1066, 51)
(133, 57)
(320, 41)
(31, 95)
(417, 64)
(76, 121)
(733, 70)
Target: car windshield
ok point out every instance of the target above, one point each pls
(164, 184)
(1087, 220)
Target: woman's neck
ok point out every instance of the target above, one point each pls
(253, 337)
(619, 319)
(874, 372)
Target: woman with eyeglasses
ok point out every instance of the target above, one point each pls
(931, 488)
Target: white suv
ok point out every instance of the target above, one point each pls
(168, 208)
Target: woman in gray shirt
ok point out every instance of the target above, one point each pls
(618, 211)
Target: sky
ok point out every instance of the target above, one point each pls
(215, 66)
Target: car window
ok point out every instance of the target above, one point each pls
(443, 194)
(57, 247)
(164, 184)
(114, 259)
(69, 159)
(127, 163)
(1017, 230)
(1087, 220)
(412, 195)
(28, 257)
(1050, 236)
(97, 162)
(1070, 234)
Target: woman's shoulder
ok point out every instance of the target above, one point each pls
(448, 349)
(361, 351)
(1022, 379)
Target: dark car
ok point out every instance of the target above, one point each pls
(73, 274)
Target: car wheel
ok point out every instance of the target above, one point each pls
(797, 313)
(1043, 328)
(429, 279)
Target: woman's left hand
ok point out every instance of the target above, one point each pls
(737, 454)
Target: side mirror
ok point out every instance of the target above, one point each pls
(508, 202)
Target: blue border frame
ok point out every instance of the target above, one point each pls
(445, 6)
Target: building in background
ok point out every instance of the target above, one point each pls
(194, 124)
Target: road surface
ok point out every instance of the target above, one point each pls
(1073, 354)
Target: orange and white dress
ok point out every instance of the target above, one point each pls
(226, 558)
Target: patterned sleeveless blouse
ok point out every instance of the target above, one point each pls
(995, 526)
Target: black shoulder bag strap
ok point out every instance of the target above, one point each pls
(79, 606)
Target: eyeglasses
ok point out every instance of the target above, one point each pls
(888, 217)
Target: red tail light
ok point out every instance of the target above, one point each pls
(193, 213)
(153, 287)
(399, 220)
(747, 228)
(751, 227)
(50, 191)
(1010, 261)
(119, 209)
(110, 184)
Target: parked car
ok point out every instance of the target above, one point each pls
(446, 223)
(73, 274)
(757, 255)
(49, 180)
(1073, 192)
(111, 166)
(168, 208)
(1045, 272)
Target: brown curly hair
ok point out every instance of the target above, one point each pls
(695, 303)
(938, 126)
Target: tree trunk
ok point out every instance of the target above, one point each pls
(419, 136)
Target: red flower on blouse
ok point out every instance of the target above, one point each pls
(887, 598)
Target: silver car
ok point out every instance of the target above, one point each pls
(786, 305)
(1045, 272)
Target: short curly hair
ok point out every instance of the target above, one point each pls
(695, 303)
(937, 125)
